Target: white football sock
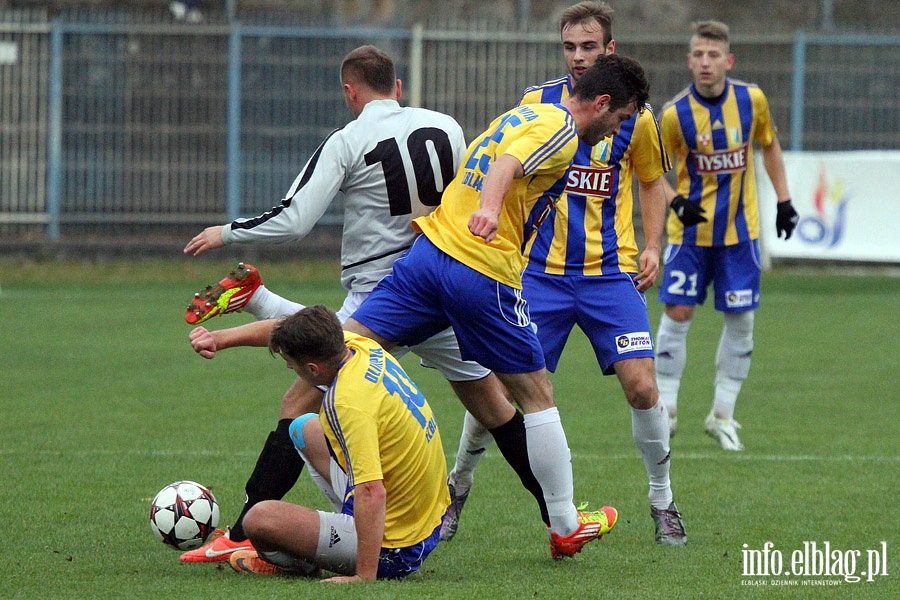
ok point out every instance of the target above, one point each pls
(671, 357)
(265, 304)
(551, 463)
(732, 361)
(650, 429)
(473, 442)
(727, 391)
(292, 564)
(323, 484)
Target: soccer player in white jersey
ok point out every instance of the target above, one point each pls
(710, 128)
(392, 164)
(583, 270)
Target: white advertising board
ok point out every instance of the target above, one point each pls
(849, 206)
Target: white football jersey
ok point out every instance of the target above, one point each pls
(392, 164)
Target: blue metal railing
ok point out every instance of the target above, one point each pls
(161, 123)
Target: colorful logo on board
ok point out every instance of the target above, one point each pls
(826, 226)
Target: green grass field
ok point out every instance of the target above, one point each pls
(104, 403)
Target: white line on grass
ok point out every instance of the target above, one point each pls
(723, 455)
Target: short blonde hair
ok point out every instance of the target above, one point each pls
(712, 30)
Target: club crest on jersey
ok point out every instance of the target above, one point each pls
(632, 342)
(715, 163)
(734, 135)
(589, 181)
(600, 152)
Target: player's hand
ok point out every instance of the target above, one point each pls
(786, 219)
(208, 239)
(649, 264)
(203, 342)
(483, 223)
(689, 213)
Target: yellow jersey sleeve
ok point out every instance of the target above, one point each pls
(543, 138)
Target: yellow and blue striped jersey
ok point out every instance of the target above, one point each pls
(379, 426)
(593, 226)
(543, 138)
(713, 142)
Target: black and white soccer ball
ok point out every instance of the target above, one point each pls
(184, 514)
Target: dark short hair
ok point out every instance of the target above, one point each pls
(601, 12)
(370, 66)
(619, 76)
(313, 333)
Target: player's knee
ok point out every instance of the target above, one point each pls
(258, 521)
(641, 392)
(296, 429)
(643, 396)
(679, 312)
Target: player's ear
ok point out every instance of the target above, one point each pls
(730, 61)
(601, 101)
(398, 91)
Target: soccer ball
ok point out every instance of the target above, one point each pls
(183, 515)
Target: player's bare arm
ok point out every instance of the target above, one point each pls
(206, 343)
(773, 160)
(786, 217)
(652, 198)
(369, 508)
(497, 182)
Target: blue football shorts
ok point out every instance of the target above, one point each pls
(428, 290)
(608, 308)
(396, 563)
(338, 543)
(733, 270)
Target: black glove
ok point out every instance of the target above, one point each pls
(689, 213)
(786, 219)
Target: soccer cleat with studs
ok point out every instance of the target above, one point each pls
(218, 549)
(231, 294)
(724, 431)
(669, 526)
(249, 562)
(450, 520)
(591, 526)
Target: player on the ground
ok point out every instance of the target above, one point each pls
(374, 449)
(583, 270)
(710, 128)
(392, 164)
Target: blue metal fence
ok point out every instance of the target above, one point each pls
(146, 125)
(845, 92)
